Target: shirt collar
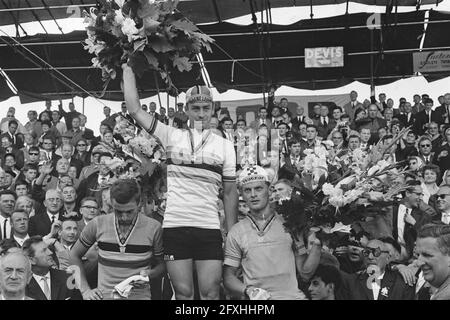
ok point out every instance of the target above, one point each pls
(38, 277)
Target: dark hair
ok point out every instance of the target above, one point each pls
(6, 244)
(27, 247)
(10, 155)
(13, 122)
(29, 166)
(262, 108)
(386, 137)
(291, 141)
(20, 183)
(283, 99)
(288, 113)
(311, 126)
(18, 211)
(393, 242)
(431, 167)
(85, 199)
(8, 192)
(329, 274)
(428, 100)
(34, 148)
(354, 136)
(47, 122)
(282, 123)
(441, 232)
(242, 120)
(358, 111)
(9, 138)
(226, 119)
(126, 190)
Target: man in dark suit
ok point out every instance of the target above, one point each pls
(425, 153)
(67, 152)
(378, 282)
(324, 124)
(48, 147)
(289, 169)
(409, 216)
(42, 221)
(86, 131)
(444, 110)
(92, 185)
(8, 148)
(46, 283)
(124, 113)
(407, 119)
(300, 117)
(262, 119)
(152, 111)
(352, 105)
(17, 139)
(173, 121)
(425, 117)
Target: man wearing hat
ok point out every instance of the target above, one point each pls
(198, 164)
(261, 247)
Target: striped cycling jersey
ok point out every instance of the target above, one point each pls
(194, 178)
(114, 266)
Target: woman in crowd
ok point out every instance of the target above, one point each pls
(429, 182)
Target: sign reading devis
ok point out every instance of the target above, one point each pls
(327, 57)
(431, 61)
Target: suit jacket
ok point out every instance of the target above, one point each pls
(443, 114)
(85, 159)
(422, 119)
(255, 124)
(87, 187)
(296, 122)
(288, 170)
(350, 110)
(322, 130)
(177, 123)
(40, 223)
(18, 140)
(404, 120)
(410, 231)
(392, 287)
(433, 158)
(77, 164)
(58, 288)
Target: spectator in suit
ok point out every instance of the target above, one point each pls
(316, 112)
(425, 153)
(300, 117)
(443, 204)
(444, 110)
(48, 148)
(418, 106)
(15, 274)
(33, 126)
(351, 107)
(407, 147)
(180, 114)
(324, 283)
(289, 164)
(75, 133)
(42, 222)
(261, 120)
(19, 227)
(408, 216)
(68, 116)
(443, 152)
(81, 154)
(47, 283)
(426, 116)
(433, 258)
(67, 153)
(83, 120)
(382, 102)
(408, 118)
(47, 111)
(17, 139)
(372, 122)
(57, 123)
(109, 119)
(324, 124)
(172, 120)
(7, 203)
(386, 284)
(153, 110)
(7, 148)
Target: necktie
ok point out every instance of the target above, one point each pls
(325, 122)
(53, 219)
(46, 287)
(429, 116)
(427, 160)
(4, 228)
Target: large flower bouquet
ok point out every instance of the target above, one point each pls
(150, 34)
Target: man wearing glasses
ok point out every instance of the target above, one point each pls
(41, 223)
(378, 282)
(443, 204)
(425, 153)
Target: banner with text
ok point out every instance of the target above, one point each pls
(431, 61)
(325, 57)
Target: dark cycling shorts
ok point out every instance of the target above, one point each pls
(192, 243)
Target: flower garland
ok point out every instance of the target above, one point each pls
(150, 35)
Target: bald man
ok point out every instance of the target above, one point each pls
(15, 274)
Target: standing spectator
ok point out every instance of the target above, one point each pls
(75, 132)
(81, 154)
(324, 124)
(351, 107)
(300, 117)
(418, 106)
(47, 111)
(426, 116)
(181, 115)
(42, 222)
(68, 116)
(261, 120)
(372, 122)
(408, 118)
(7, 202)
(17, 139)
(425, 153)
(109, 119)
(33, 126)
(57, 123)
(67, 151)
(444, 109)
(172, 120)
